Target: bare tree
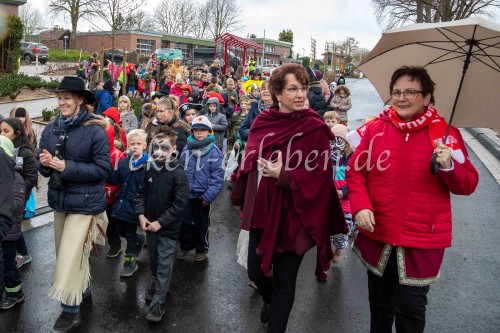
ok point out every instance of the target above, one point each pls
(113, 13)
(31, 18)
(199, 27)
(75, 9)
(393, 13)
(176, 16)
(224, 17)
(139, 20)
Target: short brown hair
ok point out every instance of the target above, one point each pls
(277, 82)
(416, 73)
(331, 115)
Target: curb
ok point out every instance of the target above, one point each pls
(42, 211)
(486, 141)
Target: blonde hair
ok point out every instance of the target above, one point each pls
(126, 99)
(348, 150)
(140, 133)
(169, 101)
(331, 115)
(28, 125)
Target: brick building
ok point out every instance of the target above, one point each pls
(55, 38)
(143, 43)
(275, 51)
(9, 7)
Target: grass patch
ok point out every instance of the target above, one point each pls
(69, 56)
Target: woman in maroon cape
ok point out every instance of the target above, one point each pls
(286, 190)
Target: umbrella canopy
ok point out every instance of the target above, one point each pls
(443, 48)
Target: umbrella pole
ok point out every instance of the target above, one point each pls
(471, 42)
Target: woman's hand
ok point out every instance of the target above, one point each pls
(57, 164)
(45, 158)
(443, 156)
(365, 219)
(340, 194)
(271, 169)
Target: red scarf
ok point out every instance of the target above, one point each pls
(429, 118)
(309, 203)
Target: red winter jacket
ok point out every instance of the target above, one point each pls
(116, 155)
(411, 205)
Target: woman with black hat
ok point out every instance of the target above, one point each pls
(74, 153)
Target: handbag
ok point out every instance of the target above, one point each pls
(242, 248)
(29, 210)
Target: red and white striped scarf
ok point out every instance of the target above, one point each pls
(429, 118)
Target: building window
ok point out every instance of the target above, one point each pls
(270, 48)
(185, 48)
(145, 46)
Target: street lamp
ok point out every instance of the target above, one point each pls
(65, 42)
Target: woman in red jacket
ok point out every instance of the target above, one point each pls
(402, 210)
(285, 185)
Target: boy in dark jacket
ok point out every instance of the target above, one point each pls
(203, 163)
(12, 281)
(129, 176)
(160, 205)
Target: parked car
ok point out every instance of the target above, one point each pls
(29, 51)
(169, 54)
(118, 55)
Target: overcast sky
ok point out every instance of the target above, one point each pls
(323, 20)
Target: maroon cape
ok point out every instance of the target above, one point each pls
(311, 200)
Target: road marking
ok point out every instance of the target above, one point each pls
(483, 154)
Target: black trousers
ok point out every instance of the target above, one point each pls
(391, 300)
(194, 228)
(11, 278)
(128, 230)
(279, 291)
(112, 230)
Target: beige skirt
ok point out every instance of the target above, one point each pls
(74, 236)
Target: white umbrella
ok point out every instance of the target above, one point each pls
(462, 58)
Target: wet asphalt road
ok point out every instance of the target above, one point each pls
(213, 296)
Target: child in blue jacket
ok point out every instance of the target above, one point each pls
(203, 163)
(129, 176)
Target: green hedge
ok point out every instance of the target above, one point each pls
(11, 84)
(69, 56)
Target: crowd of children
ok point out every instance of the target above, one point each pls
(168, 163)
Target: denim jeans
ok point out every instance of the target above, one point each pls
(21, 246)
(194, 228)
(12, 280)
(128, 231)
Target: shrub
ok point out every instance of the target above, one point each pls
(11, 84)
(47, 114)
(69, 56)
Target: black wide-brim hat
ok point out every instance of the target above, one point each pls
(75, 85)
(184, 107)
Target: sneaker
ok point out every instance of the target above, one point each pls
(150, 293)
(21, 260)
(265, 313)
(114, 251)
(129, 266)
(201, 256)
(338, 255)
(182, 254)
(156, 312)
(12, 299)
(66, 321)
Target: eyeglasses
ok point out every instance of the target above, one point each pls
(408, 94)
(295, 90)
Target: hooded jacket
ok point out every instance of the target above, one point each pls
(7, 180)
(105, 100)
(317, 100)
(18, 203)
(218, 120)
(114, 114)
(181, 128)
(28, 167)
(162, 197)
(86, 153)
